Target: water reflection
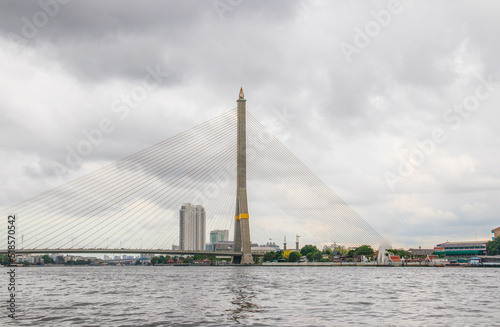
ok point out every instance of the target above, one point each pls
(243, 295)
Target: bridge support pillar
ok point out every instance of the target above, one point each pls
(241, 224)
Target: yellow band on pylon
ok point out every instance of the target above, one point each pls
(236, 217)
(244, 216)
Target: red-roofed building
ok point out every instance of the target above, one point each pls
(430, 258)
(395, 259)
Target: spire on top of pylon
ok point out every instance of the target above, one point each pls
(241, 93)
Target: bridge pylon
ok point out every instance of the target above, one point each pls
(241, 224)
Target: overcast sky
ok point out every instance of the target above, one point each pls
(394, 105)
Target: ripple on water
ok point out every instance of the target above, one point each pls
(259, 296)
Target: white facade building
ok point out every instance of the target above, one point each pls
(192, 227)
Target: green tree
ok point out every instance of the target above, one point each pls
(294, 256)
(364, 250)
(351, 253)
(317, 256)
(4, 259)
(401, 253)
(278, 255)
(47, 259)
(197, 257)
(493, 247)
(154, 260)
(269, 256)
(342, 250)
(327, 251)
(309, 257)
(308, 249)
(405, 254)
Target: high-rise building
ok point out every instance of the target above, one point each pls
(192, 227)
(496, 232)
(219, 235)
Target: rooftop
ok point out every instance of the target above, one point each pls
(262, 249)
(421, 251)
(395, 258)
(463, 242)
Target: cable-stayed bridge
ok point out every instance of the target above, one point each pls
(132, 205)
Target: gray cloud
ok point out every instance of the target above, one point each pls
(353, 122)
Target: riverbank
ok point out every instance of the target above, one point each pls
(369, 264)
(281, 264)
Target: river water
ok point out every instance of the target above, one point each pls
(260, 296)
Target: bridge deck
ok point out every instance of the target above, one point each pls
(130, 251)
